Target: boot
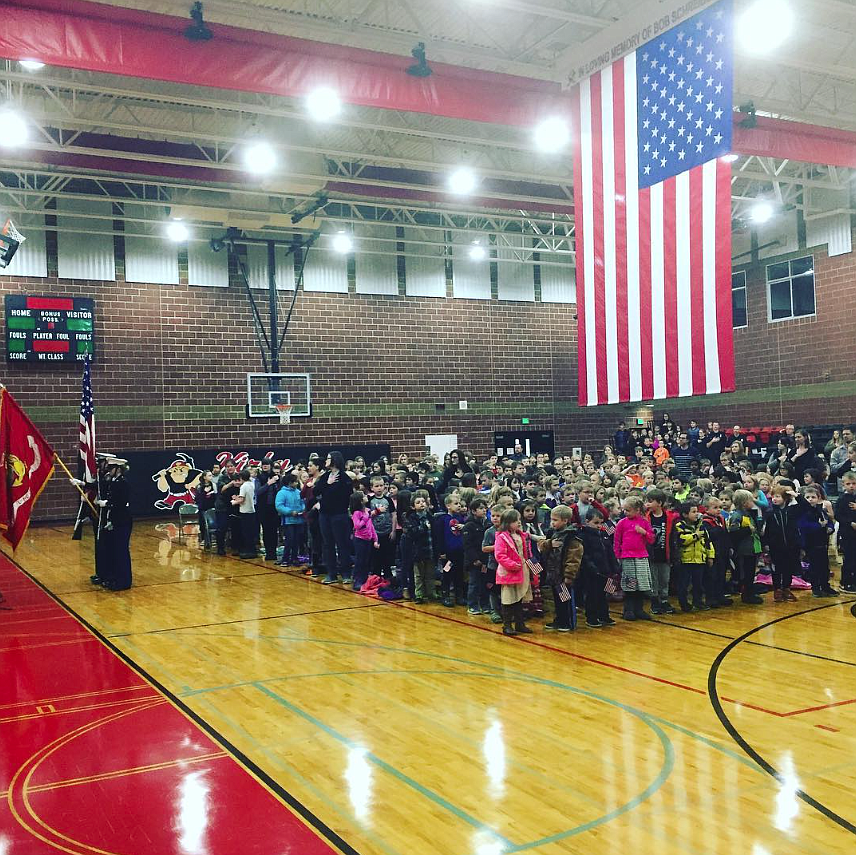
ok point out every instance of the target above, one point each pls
(629, 612)
(507, 618)
(519, 623)
(778, 596)
(639, 607)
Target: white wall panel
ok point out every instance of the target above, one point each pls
(257, 267)
(424, 264)
(325, 270)
(834, 231)
(85, 245)
(31, 258)
(470, 279)
(377, 263)
(558, 282)
(205, 267)
(782, 230)
(151, 258)
(515, 279)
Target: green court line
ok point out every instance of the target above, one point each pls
(386, 767)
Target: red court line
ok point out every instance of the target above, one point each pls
(103, 736)
(826, 727)
(821, 707)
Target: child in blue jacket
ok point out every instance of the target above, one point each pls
(290, 508)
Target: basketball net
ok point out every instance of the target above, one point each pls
(284, 411)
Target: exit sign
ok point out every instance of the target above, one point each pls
(524, 421)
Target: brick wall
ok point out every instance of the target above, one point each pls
(171, 363)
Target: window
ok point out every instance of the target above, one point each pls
(738, 300)
(790, 288)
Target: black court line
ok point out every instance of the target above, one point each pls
(763, 644)
(243, 620)
(274, 786)
(738, 737)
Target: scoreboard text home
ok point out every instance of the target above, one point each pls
(49, 329)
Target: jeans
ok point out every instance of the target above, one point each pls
(566, 613)
(660, 574)
(292, 535)
(848, 565)
(477, 595)
(785, 565)
(423, 576)
(270, 532)
(363, 550)
(249, 535)
(210, 529)
(818, 563)
(226, 521)
(336, 537)
(452, 583)
(691, 574)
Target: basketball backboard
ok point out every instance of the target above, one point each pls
(265, 391)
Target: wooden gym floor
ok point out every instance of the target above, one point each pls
(339, 723)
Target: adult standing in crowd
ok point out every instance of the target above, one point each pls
(621, 439)
(333, 490)
(228, 485)
(715, 443)
(456, 469)
(268, 481)
(803, 455)
(838, 455)
(314, 470)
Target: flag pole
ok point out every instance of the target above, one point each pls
(73, 480)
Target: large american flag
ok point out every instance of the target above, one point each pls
(653, 217)
(87, 427)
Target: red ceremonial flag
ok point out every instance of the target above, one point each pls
(652, 207)
(28, 462)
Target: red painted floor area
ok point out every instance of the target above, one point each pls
(95, 760)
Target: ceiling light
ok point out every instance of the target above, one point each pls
(30, 64)
(552, 134)
(462, 181)
(729, 158)
(342, 243)
(762, 212)
(13, 129)
(259, 157)
(324, 104)
(477, 252)
(765, 25)
(178, 232)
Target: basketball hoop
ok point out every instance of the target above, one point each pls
(284, 411)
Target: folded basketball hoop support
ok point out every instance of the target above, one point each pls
(270, 343)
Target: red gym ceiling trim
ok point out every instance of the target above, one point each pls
(795, 141)
(133, 43)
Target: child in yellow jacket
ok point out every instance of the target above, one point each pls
(696, 555)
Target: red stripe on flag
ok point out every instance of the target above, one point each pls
(620, 230)
(645, 336)
(56, 303)
(670, 286)
(697, 278)
(51, 346)
(599, 319)
(724, 323)
(580, 227)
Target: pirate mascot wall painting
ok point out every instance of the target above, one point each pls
(177, 481)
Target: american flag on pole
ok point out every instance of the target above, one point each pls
(653, 217)
(87, 428)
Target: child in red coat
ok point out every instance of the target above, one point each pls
(512, 553)
(633, 535)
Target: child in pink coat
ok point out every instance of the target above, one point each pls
(365, 538)
(632, 536)
(512, 553)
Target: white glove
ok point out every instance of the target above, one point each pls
(102, 503)
(76, 482)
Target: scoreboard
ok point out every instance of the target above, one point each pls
(49, 329)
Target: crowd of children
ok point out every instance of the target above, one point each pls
(663, 513)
